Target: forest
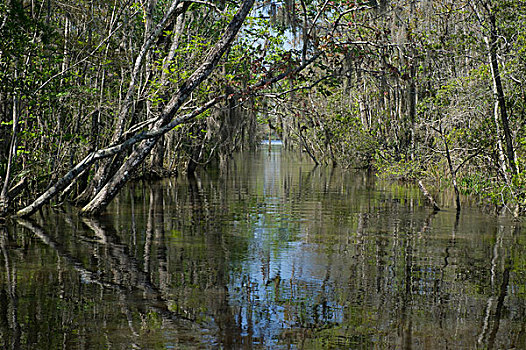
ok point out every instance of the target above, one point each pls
(96, 93)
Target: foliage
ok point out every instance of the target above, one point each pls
(406, 89)
(410, 87)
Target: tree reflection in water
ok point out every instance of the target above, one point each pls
(270, 253)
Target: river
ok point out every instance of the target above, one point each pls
(268, 253)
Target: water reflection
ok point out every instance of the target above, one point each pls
(270, 253)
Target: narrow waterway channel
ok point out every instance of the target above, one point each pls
(269, 253)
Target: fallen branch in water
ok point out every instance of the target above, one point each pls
(428, 196)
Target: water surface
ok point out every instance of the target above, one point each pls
(269, 253)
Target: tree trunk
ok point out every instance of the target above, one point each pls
(159, 150)
(113, 186)
(106, 170)
(4, 195)
(491, 41)
(428, 196)
(498, 91)
(166, 122)
(452, 172)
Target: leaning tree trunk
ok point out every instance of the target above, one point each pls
(105, 171)
(73, 174)
(165, 123)
(113, 186)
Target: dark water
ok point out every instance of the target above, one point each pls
(267, 254)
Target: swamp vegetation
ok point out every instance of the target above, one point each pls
(139, 208)
(94, 93)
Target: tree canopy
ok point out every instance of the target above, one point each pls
(94, 92)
